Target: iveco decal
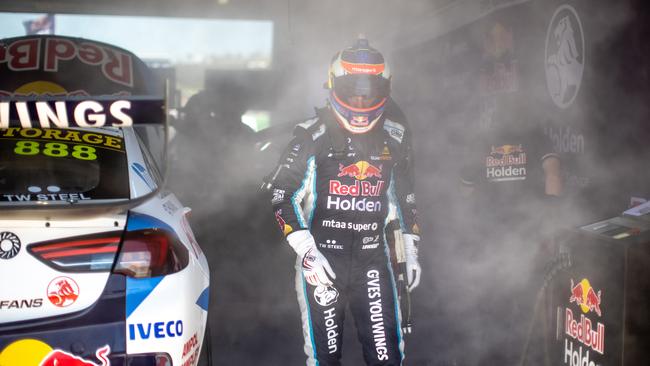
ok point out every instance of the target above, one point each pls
(564, 56)
(168, 329)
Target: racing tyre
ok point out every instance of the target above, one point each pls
(205, 358)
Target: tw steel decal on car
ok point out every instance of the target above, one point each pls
(25, 55)
(45, 197)
(157, 330)
(9, 245)
(33, 352)
(62, 291)
(21, 304)
(506, 163)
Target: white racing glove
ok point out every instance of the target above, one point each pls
(315, 266)
(413, 269)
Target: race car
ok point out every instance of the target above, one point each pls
(98, 262)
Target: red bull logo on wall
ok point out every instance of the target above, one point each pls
(584, 330)
(585, 296)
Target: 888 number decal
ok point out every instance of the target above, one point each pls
(55, 149)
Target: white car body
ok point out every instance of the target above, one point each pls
(162, 314)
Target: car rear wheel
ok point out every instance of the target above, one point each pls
(205, 358)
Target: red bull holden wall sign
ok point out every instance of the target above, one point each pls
(584, 334)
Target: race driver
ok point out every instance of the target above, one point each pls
(342, 174)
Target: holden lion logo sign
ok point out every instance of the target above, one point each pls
(564, 56)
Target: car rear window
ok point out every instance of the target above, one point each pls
(62, 165)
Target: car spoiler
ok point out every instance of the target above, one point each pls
(83, 112)
(90, 112)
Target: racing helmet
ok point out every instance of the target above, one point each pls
(359, 84)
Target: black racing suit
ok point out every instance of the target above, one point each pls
(340, 186)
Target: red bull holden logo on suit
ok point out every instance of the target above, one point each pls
(360, 171)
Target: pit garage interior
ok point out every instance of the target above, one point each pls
(458, 66)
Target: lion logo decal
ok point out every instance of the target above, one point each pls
(564, 56)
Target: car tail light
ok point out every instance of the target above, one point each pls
(150, 253)
(87, 253)
(149, 359)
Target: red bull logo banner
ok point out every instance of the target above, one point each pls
(506, 163)
(64, 66)
(26, 54)
(589, 333)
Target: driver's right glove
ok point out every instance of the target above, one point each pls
(315, 266)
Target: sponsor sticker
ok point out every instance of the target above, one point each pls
(190, 351)
(21, 304)
(62, 291)
(278, 196)
(331, 223)
(156, 330)
(9, 245)
(33, 352)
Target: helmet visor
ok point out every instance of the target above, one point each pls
(361, 90)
